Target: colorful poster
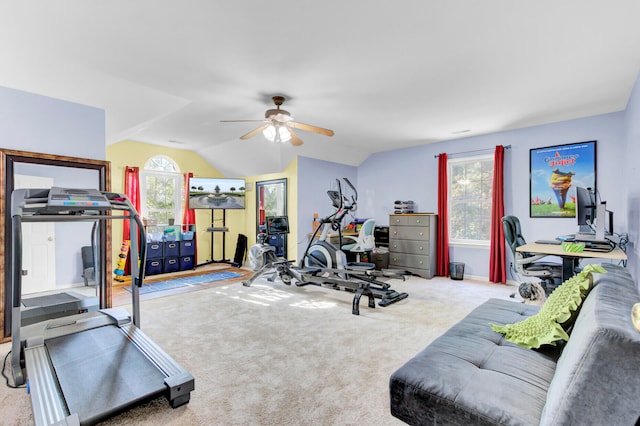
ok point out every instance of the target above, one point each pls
(555, 172)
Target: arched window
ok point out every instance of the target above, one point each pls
(161, 190)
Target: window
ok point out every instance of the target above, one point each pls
(470, 184)
(161, 190)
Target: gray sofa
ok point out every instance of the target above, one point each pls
(472, 375)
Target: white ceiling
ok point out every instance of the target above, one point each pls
(383, 75)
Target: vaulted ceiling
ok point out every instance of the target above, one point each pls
(383, 75)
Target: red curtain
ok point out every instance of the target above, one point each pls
(442, 265)
(497, 262)
(188, 215)
(132, 191)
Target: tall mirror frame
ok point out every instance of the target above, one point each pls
(8, 160)
(271, 200)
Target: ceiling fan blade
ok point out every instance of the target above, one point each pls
(253, 132)
(309, 128)
(295, 140)
(240, 121)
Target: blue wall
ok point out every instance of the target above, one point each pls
(411, 174)
(627, 171)
(315, 178)
(36, 123)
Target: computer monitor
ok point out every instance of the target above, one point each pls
(277, 225)
(585, 209)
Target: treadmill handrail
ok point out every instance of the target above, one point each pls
(119, 202)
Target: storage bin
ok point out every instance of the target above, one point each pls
(456, 270)
(171, 264)
(186, 262)
(153, 266)
(187, 248)
(154, 250)
(171, 248)
(380, 258)
(186, 235)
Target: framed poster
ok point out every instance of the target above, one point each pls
(555, 172)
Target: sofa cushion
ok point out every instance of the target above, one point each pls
(597, 380)
(472, 375)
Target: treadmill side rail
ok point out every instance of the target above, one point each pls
(179, 382)
(47, 401)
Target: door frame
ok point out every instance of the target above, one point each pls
(8, 159)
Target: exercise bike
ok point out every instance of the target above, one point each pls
(359, 278)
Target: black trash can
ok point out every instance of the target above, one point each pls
(456, 270)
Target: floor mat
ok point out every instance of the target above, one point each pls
(185, 281)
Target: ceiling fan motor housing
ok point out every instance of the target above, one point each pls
(273, 112)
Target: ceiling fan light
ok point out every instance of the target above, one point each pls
(269, 133)
(284, 133)
(276, 133)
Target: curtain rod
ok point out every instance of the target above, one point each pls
(475, 150)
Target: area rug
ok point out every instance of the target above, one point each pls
(186, 281)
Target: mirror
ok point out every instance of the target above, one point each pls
(271, 200)
(22, 169)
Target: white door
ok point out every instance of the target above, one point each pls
(38, 244)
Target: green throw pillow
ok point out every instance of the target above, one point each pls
(556, 316)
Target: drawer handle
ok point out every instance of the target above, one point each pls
(395, 259)
(421, 248)
(395, 232)
(421, 262)
(397, 220)
(395, 246)
(421, 234)
(417, 220)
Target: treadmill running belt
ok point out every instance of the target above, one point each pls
(101, 372)
(52, 299)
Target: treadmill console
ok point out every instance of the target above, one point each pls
(68, 199)
(64, 201)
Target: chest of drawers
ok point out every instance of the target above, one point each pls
(412, 243)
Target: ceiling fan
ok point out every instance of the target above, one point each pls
(278, 125)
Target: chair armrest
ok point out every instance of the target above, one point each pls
(526, 260)
(354, 239)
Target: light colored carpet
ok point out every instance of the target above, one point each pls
(273, 354)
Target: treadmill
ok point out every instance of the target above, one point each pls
(84, 368)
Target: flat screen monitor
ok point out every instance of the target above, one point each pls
(585, 209)
(216, 193)
(277, 225)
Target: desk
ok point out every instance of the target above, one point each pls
(569, 258)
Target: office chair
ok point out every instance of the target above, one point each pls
(365, 242)
(528, 264)
(88, 266)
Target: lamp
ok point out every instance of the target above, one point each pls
(277, 133)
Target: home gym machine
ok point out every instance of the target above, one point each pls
(84, 368)
(325, 265)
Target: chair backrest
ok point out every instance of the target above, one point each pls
(513, 233)
(366, 239)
